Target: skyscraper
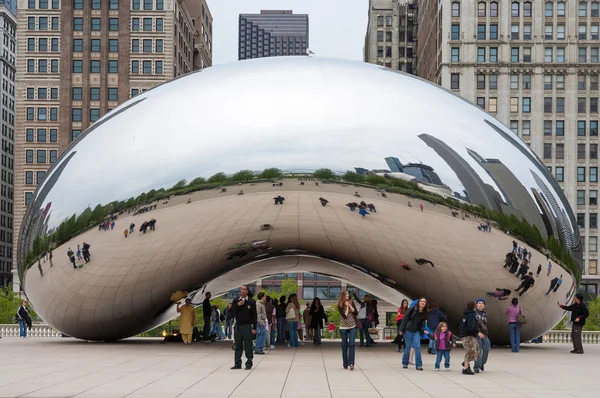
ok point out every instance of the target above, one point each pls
(394, 164)
(391, 38)
(78, 60)
(272, 33)
(534, 66)
(8, 20)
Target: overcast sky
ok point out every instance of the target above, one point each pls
(336, 27)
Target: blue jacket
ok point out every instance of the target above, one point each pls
(435, 317)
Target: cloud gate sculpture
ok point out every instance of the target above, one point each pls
(198, 164)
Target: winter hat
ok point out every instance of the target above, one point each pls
(480, 299)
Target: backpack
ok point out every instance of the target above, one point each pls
(291, 315)
(280, 311)
(222, 317)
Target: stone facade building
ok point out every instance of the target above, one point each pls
(79, 59)
(534, 65)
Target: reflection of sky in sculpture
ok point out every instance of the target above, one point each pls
(332, 126)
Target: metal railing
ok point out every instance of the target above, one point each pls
(37, 330)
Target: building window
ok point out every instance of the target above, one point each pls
(158, 67)
(113, 94)
(113, 5)
(526, 54)
(148, 45)
(514, 54)
(95, 4)
(29, 135)
(493, 54)
(135, 66)
(514, 126)
(560, 173)
(75, 134)
(42, 114)
(514, 31)
(581, 128)
(456, 9)
(560, 128)
(514, 104)
(94, 114)
(113, 66)
(514, 9)
(560, 105)
(514, 82)
(548, 31)
(560, 54)
(53, 135)
(593, 174)
(94, 93)
(481, 6)
(53, 155)
(547, 104)
(481, 82)
(76, 116)
(135, 24)
(548, 9)
(581, 174)
(29, 177)
(159, 46)
(455, 31)
(95, 47)
(561, 9)
(527, 12)
(96, 24)
(526, 104)
(95, 66)
(547, 151)
(380, 35)
(30, 113)
(593, 270)
(147, 67)
(595, 10)
(77, 66)
(493, 81)
(40, 156)
(29, 156)
(581, 151)
(593, 198)
(494, 9)
(455, 81)
(560, 151)
(455, 54)
(113, 45)
(77, 93)
(113, 24)
(560, 82)
(481, 31)
(593, 128)
(147, 24)
(582, 54)
(77, 24)
(481, 54)
(548, 54)
(594, 151)
(493, 31)
(481, 102)
(492, 105)
(580, 198)
(43, 23)
(388, 20)
(581, 220)
(547, 128)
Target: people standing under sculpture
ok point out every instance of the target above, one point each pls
(468, 334)
(402, 310)
(187, 320)
(206, 310)
(331, 330)
(271, 323)
(281, 321)
(412, 327)
(292, 316)
(513, 311)
(482, 337)
(348, 324)
(23, 318)
(40, 268)
(317, 319)
(434, 318)
(244, 312)
(579, 313)
(261, 323)
(558, 283)
(444, 341)
(228, 322)
(306, 316)
(365, 316)
(215, 327)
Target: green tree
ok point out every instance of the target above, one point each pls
(218, 178)
(243, 175)
(288, 286)
(197, 181)
(181, 184)
(353, 177)
(271, 173)
(325, 174)
(376, 180)
(9, 304)
(593, 321)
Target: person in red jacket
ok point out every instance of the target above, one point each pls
(401, 311)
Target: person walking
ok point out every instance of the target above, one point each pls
(292, 316)
(206, 310)
(348, 325)
(22, 317)
(579, 313)
(331, 330)
(434, 318)
(513, 311)
(482, 337)
(244, 312)
(187, 320)
(317, 318)
(468, 334)
(215, 327)
(228, 322)
(261, 327)
(412, 327)
(281, 321)
(365, 316)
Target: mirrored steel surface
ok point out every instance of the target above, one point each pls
(297, 114)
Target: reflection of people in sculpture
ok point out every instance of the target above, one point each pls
(409, 205)
(126, 232)
(50, 258)
(323, 201)
(500, 294)
(40, 267)
(189, 200)
(71, 256)
(278, 199)
(422, 261)
(223, 190)
(363, 212)
(86, 252)
(371, 207)
(554, 284)
(527, 283)
(356, 194)
(131, 228)
(523, 269)
(241, 192)
(186, 321)
(352, 205)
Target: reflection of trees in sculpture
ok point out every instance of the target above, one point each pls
(325, 174)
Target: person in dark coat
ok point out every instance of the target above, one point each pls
(579, 313)
(244, 312)
(469, 330)
(318, 316)
(434, 318)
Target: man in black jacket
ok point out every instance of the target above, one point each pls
(469, 330)
(579, 313)
(206, 310)
(244, 311)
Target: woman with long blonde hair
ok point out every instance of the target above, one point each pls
(348, 312)
(292, 315)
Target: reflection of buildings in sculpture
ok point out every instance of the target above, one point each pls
(422, 173)
(518, 200)
(394, 164)
(362, 171)
(549, 220)
(478, 192)
(35, 219)
(561, 219)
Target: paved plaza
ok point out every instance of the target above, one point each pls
(47, 367)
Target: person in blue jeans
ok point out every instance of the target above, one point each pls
(482, 338)
(513, 311)
(434, 317)
(348, 325)
(281, 321)
(412, 327)
(365, 317)
(261, 320)
(292, 315)
(22, 316)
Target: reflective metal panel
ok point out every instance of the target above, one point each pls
(206, 167)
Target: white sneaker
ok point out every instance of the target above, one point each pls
(272, 347)
(437, 368)
(448, 369)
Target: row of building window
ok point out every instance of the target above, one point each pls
(39, 177)
(388, 35)
(526, 102)
(559, 152)
(43, 4)
(146, 24)
(43, 114)
(592, 197)
(112, 94)
(96, 45)
(593, 174)
(146, 45)
(40, 156)
(42, 65)
(388, 20)
(146, 67)
(42, 93)
(94, 4)
(96, 24)
(593, 224)
(113, 66)
(44, 44)
(41, 135)
(524, 54)
(584, 82)
(556, 127)
(41, 23)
